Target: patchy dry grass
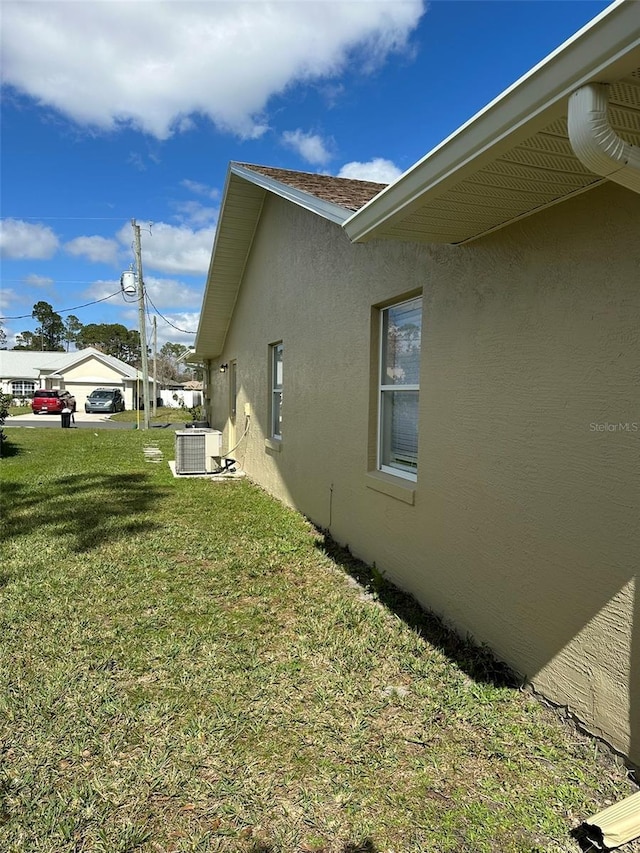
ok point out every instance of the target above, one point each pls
(164, 415)
(190, 667)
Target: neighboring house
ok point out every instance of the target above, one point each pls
(186, 394)
(445, 374)
(22, 372)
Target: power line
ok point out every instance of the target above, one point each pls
(104, 299)
(71, 218)
(168, 322)
(66, 310)
(23, 280)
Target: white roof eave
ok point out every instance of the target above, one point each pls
(210, 336)
(207, 344)
(602, 50)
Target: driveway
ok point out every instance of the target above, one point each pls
(82, 421)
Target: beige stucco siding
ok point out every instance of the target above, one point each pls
(94, 369)
(523, 528)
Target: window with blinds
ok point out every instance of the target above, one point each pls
(276, 370)
(400, 339)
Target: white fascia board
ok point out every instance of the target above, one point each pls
(186, 355)
(602, 50)
(333, 212)
(202, 350)
(90, 352)
(326, 209)
(195, 360)
(201, 322)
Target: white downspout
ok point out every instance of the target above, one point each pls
(614, 826)
(595, 142)
(600, 149)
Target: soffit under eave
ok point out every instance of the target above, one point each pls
(234, 236)
(534, 173)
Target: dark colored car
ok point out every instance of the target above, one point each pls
(105, 400)
(49, 401)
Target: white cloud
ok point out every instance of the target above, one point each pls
(310, 146)
(26, 241)
(155, 65)
(38, 280)
(95, 249)
(179, 328)
(198, 188)
(194, 213)
(170, 293)
(7, 296)
(136, 160)
(164, 293)
(104, 287)
(379, 170)
(173, 249)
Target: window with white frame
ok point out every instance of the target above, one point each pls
(399, 387)
(23, 388)
(276, 389)
(233, 389)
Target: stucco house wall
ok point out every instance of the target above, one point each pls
(522, 528)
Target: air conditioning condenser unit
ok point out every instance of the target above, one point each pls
(198, 451)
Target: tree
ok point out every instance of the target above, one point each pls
(27, 340)
(173, 350)
(3, 338)
(72, 328)
(112, 339)
(169, 368)
(51, 328)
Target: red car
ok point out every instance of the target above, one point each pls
(47, 401)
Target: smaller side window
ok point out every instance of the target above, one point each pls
(399, 388)
(276, 389)
(233, 389)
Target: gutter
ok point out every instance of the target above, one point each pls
(595, 142)
(605, 49)
(614, 826)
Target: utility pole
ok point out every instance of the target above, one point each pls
(142, 324)
(155, 366)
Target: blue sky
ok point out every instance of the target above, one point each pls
(121, 109)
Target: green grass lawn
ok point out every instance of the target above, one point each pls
(188, 666)
(164, 414)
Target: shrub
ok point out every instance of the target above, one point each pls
(5, 402)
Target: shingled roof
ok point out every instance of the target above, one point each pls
(248, 185)
(346, 192)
